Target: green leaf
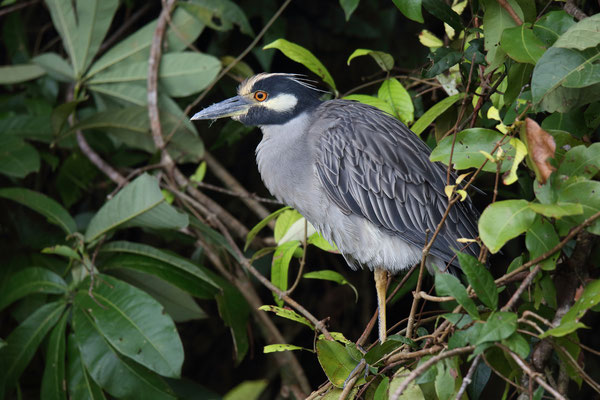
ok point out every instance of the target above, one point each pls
(42, 204)
(372, 101)
(410, 8)
(495, 20)
(258, 227)
(316, 239)
(584, 192)
(443, 12)
(557, 210)
(28, 281)
(499, 325)
(584, 34)
(443, 59)
(55, 66)
(273, 348)
(12, 74)
(23, 342)
(288, 314)
(588, 299)
(380, 350)
(53, 380)
(552, 25)
(480, 279)
(561, 68)
(140, 203)
(180, 74)
(504, 220)
(520, 153)
(581, 161)
(17, 157)
(518, 344)
(384, 60)
(284, 221)
(134, 323)
(329, 275)
(303, 56)
(541, 238)
(116, 374)
(247, 390)
(62, 250)
(349, 6)
(468, 147)
(219, 15)
(176, 270)
(438, 109)
(563, 329)
(393, 93)
(82, 27)
(281, 263)
(81, 386)
(335, 361)
(449, 285)
(444, 382)
(413, 390)
(521, 44)
(381, 393)
(235, 312)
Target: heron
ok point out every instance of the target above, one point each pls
(357, 174)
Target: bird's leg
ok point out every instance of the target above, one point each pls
(381, 278)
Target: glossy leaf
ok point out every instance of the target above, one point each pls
(504, 220)
(449, 285)
(303, 56)
(468, 147)
(81, 385)
(557, 210)
(443, 59)
(372, 101)
(53, 380)
(499, 325)
(17, 157)
(317, 240)
(134, 323)
(258, 227)
(411, 9)
(584, 34)
(541, 238)
(384, 60)
(438, 109)
(335, 361)
(584, 192)
(28, 281)
(563, 329)
(24, 340)
(115, 373)
(273, 348)
(140, 203)
(581, 161)
(12, 74)
(284, 222)
(329, 275)
(552, 25)
(393, 93)
(42, 204)
(443, 12)
(280, 266)
(176, 270)
(522, 45)
(480, 279)
(588, 299)
(287, 313)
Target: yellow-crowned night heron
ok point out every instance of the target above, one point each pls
(360, 176)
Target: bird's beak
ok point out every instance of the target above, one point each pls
(232, 107)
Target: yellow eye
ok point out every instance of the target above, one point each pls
(260, 95)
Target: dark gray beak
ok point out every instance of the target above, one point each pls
(232, 107)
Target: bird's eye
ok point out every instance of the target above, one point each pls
(260, 95)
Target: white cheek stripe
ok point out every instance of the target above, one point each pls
(281, 103)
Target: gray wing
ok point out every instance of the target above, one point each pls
(370, 164)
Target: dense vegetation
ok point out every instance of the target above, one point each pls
(143, 258)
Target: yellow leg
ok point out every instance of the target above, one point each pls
(381, 278)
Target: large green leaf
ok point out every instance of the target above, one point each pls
(17, 157)
(442, 11)
(468, 147)
(55, 66)
(384, 60)
(176, 270)
(504, 220)
(11, 74)
(115, 373)
(438, 109)
(499, 325)
(42, 204)
(303, 56)
(335, 361)
(584, 192)
(258, 227)
(540, 238)
(449, 285)
(581, 161)
(521, 44)
(133, 323)
(329, 275)
(28, 126)
(141, 203)
(82, 27)
(281, 263)
(180, 74)
(53, 380)
(584, 34)
(411, 9)
(372, 101)
(29, 281)
(480, 279)
(23, 342)
(81, 385)
(183, 30)
(393, 93)
(495, 20)
(552, 25)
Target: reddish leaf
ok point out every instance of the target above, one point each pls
(541, 148)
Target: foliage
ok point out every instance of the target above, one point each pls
(125, 271)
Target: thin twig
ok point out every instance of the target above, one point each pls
(524, 285)
(15, 7)
(241, 195)
(468, 378)
(511, 12)
(302, 261)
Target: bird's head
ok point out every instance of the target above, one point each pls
(266, 99)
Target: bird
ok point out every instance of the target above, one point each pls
(356, 173)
